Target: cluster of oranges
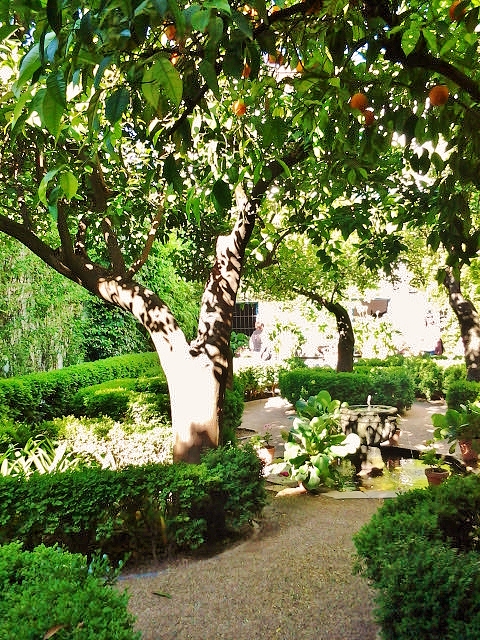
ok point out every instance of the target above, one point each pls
(360, 101)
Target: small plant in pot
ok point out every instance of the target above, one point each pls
(435, 473)
(462, 426)
(263, 445)
(315, 443)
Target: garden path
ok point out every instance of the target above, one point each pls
(291, 579)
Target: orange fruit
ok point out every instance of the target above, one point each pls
(275, 8)
(275, 59)
(174, 58)
(359, 101)
(171, 31)
(239, 108)
(246, 71)
(369, 117)
(300, 68)
(455, 15)
(438, 95)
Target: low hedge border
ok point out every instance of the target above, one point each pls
(421, 552)
(143, 510)
(386, 385)
(50, 593)
(43, 396)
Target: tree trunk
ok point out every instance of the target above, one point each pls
(346, 338)
(469, 322)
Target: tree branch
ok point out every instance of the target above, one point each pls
(114, 251)
(138, 264)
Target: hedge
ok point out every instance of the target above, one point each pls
(146, 509)
(50, 593)
(421, 552)
(43, 396)
(388, 386)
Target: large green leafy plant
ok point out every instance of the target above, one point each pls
(316, 441)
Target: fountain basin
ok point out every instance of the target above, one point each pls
(373, 424)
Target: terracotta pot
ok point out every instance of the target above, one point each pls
(469, 454)
(436, 475)
(266, 454)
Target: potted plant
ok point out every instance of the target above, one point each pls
(315, 442)
(462, 426)
(435, 473)
(263, 445)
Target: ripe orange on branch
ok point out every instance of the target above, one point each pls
(456, 14)
(359, 101)
(239, 108)
(171, 31)
(438, 95)
(246, 71)
(369, 117)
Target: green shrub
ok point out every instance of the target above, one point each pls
(232, 412)
(146, 509)
(453, 373)
(42, 396)
(462, 392)
(427, 376)
(49, 589)
(259, 380)
(394, 387)
(430, 592)
(422, 553)
(389, 386)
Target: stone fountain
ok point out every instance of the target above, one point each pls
(374, 424)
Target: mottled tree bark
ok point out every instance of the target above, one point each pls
(469, 322)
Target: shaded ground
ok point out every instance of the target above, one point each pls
(292, 580)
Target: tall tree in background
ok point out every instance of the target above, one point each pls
(125, 118)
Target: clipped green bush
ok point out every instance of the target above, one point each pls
(462, 392)
(452, 373)
(49, 592)
(427, 376)
(233, 407)
(146, 509)
(388, 386)
(42, 396)
(421, 553)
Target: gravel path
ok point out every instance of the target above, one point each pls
(292, 580)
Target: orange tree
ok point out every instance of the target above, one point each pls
(118, 127)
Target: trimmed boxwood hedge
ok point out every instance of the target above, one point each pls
(421, 552)
(50, 593)
(44, 396)
(142, 509)
(386, 385)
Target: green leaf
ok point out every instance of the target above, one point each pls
(172, 174)
(56, 88)
(52, 112)
(6, 31)
(431, 39)
(222, 196)
(86, 30)
(162, 75)
(54, 15)
(69, 184)
(30, 64)
(207, 70)
(243, 24)
(200, 19)
(410, 39)
(42, 189)
(116, 104)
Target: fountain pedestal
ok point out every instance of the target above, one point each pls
(373, 424)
